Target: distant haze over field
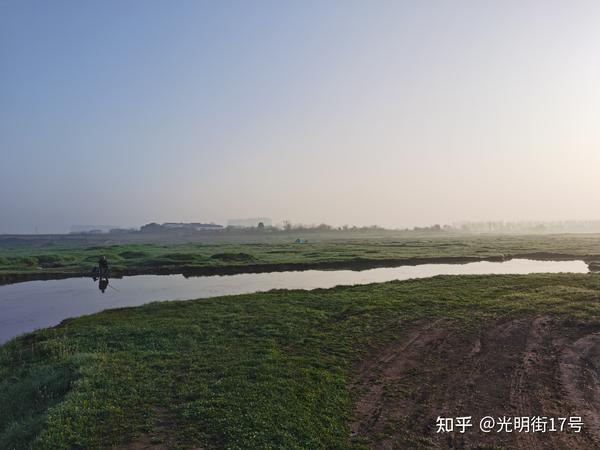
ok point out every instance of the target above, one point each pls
(399, 114)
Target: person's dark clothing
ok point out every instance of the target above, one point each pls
(103, 266)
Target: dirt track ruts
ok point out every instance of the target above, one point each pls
(536, 366)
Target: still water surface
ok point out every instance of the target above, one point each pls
(35, 304)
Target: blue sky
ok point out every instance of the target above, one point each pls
(396, 113)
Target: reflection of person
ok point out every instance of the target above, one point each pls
(103, 284)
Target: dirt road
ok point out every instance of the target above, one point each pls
(535, 366)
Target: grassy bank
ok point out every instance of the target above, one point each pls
(259, 371)
(25, 258)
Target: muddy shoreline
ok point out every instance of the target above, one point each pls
(356, 265)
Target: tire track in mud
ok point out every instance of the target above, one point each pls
(580, 377)
(523, 367)
(533, 361)
(391, 364)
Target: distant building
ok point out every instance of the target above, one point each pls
(122, 230)
(197, 226)
(94, 229)
(249, 223)
(182, 226)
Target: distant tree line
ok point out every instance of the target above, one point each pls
(529, 226)
(290, 227)
(285, 227)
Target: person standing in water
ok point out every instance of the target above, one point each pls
(103, 266)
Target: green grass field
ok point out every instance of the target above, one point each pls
(64, 256)
(258, 371)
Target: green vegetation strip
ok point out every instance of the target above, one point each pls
(260, 371)
(59, 257)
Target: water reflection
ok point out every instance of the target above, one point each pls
(102, 284)
(35, 304)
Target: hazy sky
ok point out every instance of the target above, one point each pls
(394, 113)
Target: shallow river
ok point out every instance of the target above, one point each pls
(35, 304)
